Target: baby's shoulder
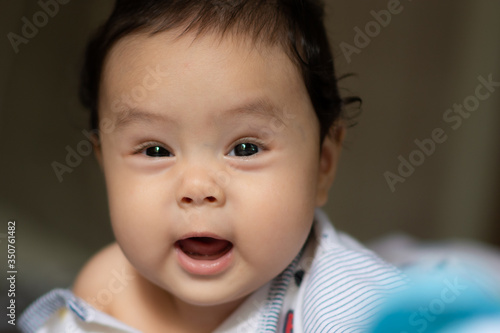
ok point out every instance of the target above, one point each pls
(103, 278)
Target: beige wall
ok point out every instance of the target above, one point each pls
(427, 58)
(423, 62)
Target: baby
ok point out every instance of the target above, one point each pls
(218, 126)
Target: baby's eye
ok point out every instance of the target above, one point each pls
(155, 151)
(244, 149)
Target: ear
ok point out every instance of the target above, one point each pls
(96, 143)
(329, 156)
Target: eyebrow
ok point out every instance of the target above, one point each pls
(261, 107)
(136, 115)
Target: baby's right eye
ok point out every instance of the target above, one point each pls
(157, 151)
(152, 149)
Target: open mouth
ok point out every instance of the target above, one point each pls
(204, 248)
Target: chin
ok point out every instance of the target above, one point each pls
(207, 299)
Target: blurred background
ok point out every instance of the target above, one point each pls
(413, 61)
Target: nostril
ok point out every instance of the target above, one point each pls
(187, 200)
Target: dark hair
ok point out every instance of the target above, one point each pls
(296, 25)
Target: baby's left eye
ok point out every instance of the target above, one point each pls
(245, 149)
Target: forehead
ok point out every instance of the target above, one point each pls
(165, 71)
(182, 55)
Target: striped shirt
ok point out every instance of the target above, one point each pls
(333, 285)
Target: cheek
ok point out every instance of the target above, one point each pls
(278, 214)
(139, 227)
(133, 206)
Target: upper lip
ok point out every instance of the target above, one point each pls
(202, 234)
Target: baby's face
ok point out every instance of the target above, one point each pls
(211, 156)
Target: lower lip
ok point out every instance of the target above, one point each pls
(204, 267)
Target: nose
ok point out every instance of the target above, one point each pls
(198, 186)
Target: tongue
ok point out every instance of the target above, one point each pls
(204, 247)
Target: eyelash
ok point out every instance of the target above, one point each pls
(259, 143)
(140, 149)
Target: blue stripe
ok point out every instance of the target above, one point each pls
(76, 310)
